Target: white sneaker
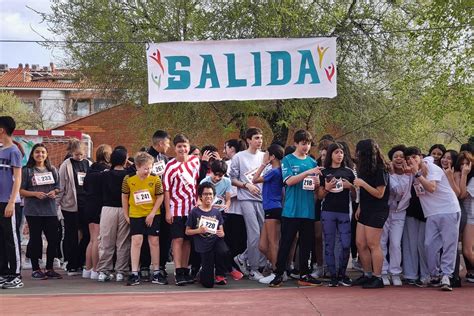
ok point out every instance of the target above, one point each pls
(26, 264)
(285, 276)
(94, 275)
(119, 277)
(385, 279)
(396, 281)
(318, 272)
(242, 265)
(446, 283)
(57, 263)
(267, 279)
(86, 274)
(104, 277)
(255, 275)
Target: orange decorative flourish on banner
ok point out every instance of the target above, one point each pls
(321, 52)
(157, 57)
(330, 71)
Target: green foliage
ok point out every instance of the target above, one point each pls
(25, 118)
(394, 85)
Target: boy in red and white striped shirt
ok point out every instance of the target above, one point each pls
(180, 186)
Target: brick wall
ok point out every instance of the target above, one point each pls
(118, 126)
(108, 127)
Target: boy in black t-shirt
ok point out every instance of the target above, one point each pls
(204, 223)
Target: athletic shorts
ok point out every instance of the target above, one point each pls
(139, 227)
(178, 227)
(373, 219)
(273, 213)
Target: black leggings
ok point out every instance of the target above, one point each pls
(38, 225)
(75, 250)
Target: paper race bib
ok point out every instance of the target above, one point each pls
(249, 175)
(80, 178)
(142, 197)
(339, 186)
(219, 201)
(43, 178)
(309, 184)
(158, 168)
(210, 223)
(419, 189)
(186, 178)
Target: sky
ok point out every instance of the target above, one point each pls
(17, 22)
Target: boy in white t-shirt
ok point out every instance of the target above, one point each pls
(443, 213)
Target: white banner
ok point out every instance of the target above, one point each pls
(255, 69)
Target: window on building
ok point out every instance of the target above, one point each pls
(102, 104)
(81, 107)
(30, 104)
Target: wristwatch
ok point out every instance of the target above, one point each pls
(418, 174)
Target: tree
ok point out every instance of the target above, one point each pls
(393, 83)
(25, 118)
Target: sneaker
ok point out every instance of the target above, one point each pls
(374, 283)
(255, 275)
(73, 272)
(220, 280)
(158, 278)
(446, 284)
(86, 274)
(94, 275)
(179, 279)
(145, 275)
(385, 280)
(13, 283)
(435, 282)
(119, 277)
(318, 272)
(133, 279)
(470, 277)
(3, 279)
(236, 274)
(51, 274)
(295, 274)
(57, 263)
(410, 281)
(242, 265)
(267, 279)
(277, 281)
(422, 283)
(362, 280)
(334, 282)
(188, 277)
(26, 264)
(104, 277)
(163, 271)
(308, 280)
(345, 281)
(356, 265)
(285, 276)
(396, 281)
(38, 275)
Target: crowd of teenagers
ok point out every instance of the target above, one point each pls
(267, 215)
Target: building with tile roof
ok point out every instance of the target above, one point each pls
(60, 95)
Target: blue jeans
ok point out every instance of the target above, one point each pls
(333, 222)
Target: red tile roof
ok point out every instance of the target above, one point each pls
(21, 78)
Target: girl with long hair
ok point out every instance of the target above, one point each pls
(39, 186)
(373, 181)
